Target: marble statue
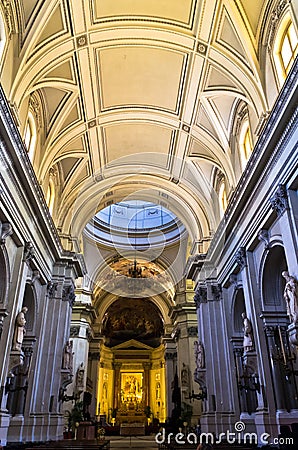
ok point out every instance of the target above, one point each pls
(67, 361)
(199, 355)
(291, 296)
(184, 375)
(20, 330)
(80, 377)
(248, 337)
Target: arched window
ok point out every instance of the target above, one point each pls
(222, 194)
(285, 48)
(3, 38)
(51, 195)
(245, 144)
(30, 136)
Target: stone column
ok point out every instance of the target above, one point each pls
(170, 368)
(93, 362)
(147, 367)
(117, 384)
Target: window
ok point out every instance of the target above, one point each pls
(51, 195)
(245, 144)
(30, 136)
(222, 194)
(2, 35)
(285, 48)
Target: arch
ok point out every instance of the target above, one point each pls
(191, 209)
(272, 282)
(3, 36)
(51, 195)
(29, 300)
(245, 143)
(4, 276)
(285, 47)
(238, 307)
(30, 136)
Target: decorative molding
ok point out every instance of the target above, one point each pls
(34, 106)
(29, 252)
(216, 292)
(186, 128)
(240, 258)
(263, 235)
(233, 280)
(52, 289)
(35, 276)
(192, 331)
(82, 40)
(262, 122)
(5, 231)
(274, 20)
(94, 356)
(9, 17)
(170, 356)
(200, 296)
(74, 331)
(92, 123)
(68, 295)
(279, 201)
(202, 48)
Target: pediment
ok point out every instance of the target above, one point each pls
(132, 344)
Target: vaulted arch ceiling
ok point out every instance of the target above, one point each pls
(129, 84)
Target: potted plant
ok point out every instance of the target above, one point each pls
(75, 416)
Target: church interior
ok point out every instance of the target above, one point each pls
(148, 218)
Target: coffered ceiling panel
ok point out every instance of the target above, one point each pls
(173, 11)
(137, 138)
(141, 76)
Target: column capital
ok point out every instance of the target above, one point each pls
(279, 201)
(200, 296)
(5, 231)
(240, 258)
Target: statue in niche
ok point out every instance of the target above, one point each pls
(80, 378)
(67, 361)
(184, 375)
(291, 296)
(248, 337)
(199, 355)
(20, 330)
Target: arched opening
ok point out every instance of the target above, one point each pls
(30, 136)
(273, 283)
(131, 374)
(245, 143)
(285, 47)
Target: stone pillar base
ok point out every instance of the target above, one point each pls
(4, 424)
(15, 431)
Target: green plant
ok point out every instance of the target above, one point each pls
(75, 415)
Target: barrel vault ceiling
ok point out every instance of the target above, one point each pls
(147, 87)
